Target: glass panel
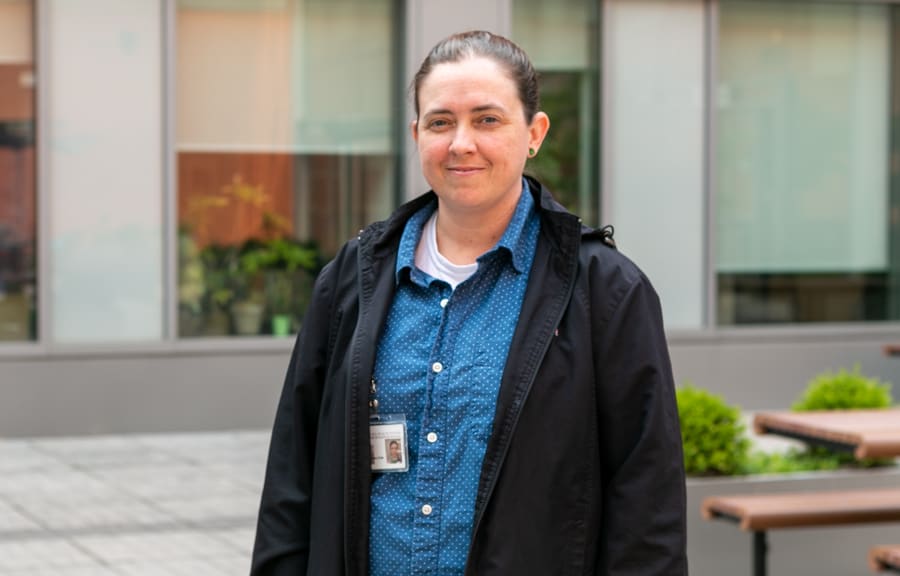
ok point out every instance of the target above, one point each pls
(105, 170)
(561, 38)
(285, 150)
(18, 278)
(803, 169)
(654, 147)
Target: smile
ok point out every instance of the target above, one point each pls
(464, 170)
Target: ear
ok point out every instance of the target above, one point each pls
(537, 130)
(414, 129)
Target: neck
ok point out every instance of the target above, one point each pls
(464, 236)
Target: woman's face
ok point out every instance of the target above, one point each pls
(472, 136)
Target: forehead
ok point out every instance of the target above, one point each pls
(471, 81)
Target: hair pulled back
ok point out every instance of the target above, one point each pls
(479, 43)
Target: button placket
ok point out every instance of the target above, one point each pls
(429, 484)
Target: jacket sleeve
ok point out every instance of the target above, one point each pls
(283, 525)
(644, 514)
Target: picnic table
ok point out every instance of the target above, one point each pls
(865, 433)
(885, 558)
(759, 513)
(891, 349)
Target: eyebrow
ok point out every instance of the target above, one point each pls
(482, 108)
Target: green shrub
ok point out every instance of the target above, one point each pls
(711, 432)
(793, 460)
(844, 391)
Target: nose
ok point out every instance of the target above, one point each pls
(463, 141)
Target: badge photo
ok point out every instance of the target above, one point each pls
(387, 439)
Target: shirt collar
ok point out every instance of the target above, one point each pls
(514, 239)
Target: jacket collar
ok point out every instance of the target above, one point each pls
(386, 234)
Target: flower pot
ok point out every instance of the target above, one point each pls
(247, 317)
(281, 324)
(217, 323)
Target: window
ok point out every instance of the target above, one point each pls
(807, 209)
(561, 39)
(18, 278)
(285, 149)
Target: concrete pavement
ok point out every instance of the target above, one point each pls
(139, 505)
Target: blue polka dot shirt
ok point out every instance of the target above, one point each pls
(439, 363)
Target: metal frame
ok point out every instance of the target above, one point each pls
(760, 553)
(710, 174)
(760, 544)
(606, 204)
(44, 302)
(170, 174)
(169, 168)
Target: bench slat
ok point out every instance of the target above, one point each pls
(756, 512)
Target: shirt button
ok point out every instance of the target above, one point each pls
(444, 302)
(437, 367)
(426, 510)
(432, 437)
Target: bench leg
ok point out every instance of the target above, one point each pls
(760, 549)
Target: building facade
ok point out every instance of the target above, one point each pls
(173, 173)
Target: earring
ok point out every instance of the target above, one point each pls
(531, 152)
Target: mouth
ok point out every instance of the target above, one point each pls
(464, 170)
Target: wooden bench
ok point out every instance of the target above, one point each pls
(885, 558)
(759, 513)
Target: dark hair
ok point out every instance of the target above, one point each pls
(485, 44)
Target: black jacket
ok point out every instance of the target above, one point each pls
(583, 471)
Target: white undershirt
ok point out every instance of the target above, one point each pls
(433, 263)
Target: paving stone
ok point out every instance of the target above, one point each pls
(166, 504)
(150, 546)
(42, 554)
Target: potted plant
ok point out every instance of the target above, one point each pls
(220, 269)
(191, 285)
(275, 273)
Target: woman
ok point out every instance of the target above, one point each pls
(519, 358)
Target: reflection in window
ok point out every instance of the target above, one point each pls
(282, 156)
(17, 173)
(561, 39)
(804, 233)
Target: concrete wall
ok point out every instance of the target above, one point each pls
(236, 385)
(768, 369)
(123, 392)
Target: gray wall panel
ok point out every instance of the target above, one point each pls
(139, 394)
(227, 389)
(770, 372)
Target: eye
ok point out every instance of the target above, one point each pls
(489, 120)
(438, 124)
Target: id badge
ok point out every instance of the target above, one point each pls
(387, 437)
